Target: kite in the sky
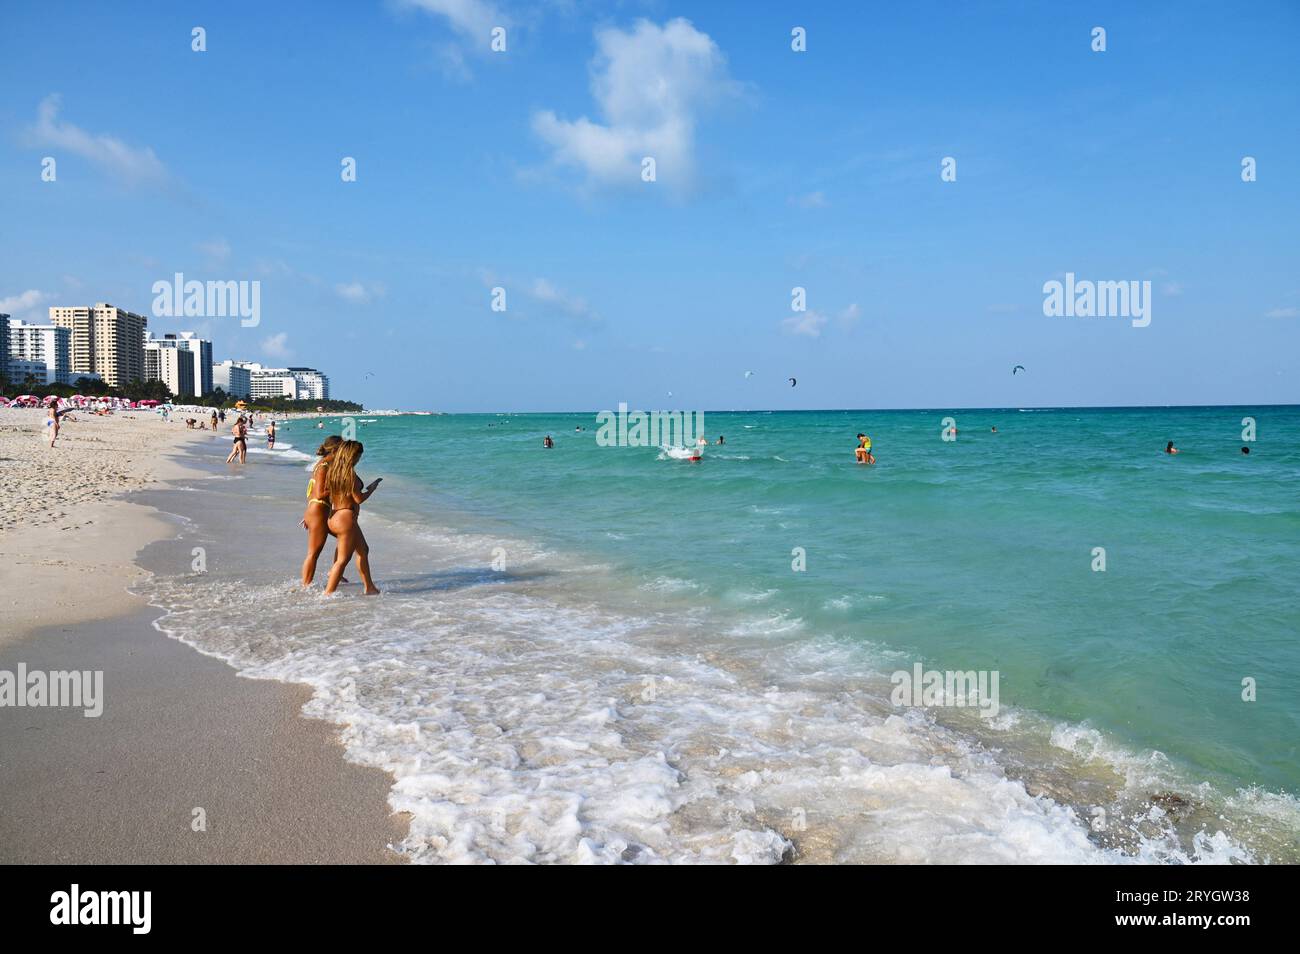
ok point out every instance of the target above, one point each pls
(749, 374)
(1019, 367)
(793, 382)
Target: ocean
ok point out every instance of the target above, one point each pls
(606, 654)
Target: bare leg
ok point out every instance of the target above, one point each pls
(345, 524)
(363, 563)
(317, 534)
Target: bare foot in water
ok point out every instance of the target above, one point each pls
(372, 591)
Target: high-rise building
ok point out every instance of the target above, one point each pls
(233, 378)
(172, 366)
(313, 385)
(196, 351)
(4, 346)
(105, 340)
(44, 346)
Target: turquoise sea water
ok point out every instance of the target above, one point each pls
(1120, 690)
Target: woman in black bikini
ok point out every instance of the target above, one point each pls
(240, 449)
(346, 497)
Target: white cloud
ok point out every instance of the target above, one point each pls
(573, 305)
(813, 200)
(130, 164)
(26, 305)
(276, 346)
(650, 85)
(472, 20)
(1274, 313)
(807, 323)
(359, 294)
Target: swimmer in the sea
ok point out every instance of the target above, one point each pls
(863, 451)
(721, 440)
(1245, 450)
(547, 442)
(1170, 448)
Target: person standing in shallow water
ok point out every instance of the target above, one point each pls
(315, 520)
(346, 497)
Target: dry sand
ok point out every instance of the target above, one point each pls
(180, 731)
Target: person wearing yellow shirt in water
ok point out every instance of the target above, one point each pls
(863, 451)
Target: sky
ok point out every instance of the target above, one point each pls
(522, 169)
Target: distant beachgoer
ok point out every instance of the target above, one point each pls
(721, 440)
(320, 424)
(221, 415)
(53, 422)
(240, 450)
(315, 519)
(214, 420)
(548, 443)
(270, 436)
(994, 428)
(1245, 450)
(862, 453)
(1170, 448)
(346, 497)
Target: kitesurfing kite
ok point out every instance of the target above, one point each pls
(1019, 367)
(793, 382)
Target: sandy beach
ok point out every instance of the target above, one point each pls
(179, 731)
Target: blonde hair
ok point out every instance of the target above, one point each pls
(328, 446)
(342, 479)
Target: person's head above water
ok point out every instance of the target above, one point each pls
(1169, 447)
(1245, 450)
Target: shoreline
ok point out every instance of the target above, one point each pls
(180, 731)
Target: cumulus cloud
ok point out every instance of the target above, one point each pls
(131, 165)
(471, 20)
(650, 85)
(276, 346)
(26, 305)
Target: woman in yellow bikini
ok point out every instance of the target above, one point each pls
(317, 515)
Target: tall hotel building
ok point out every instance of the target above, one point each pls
(107, 341)
(161, 357)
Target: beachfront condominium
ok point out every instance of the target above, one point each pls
(303, 384)
(41, 352)
(191, 350)
(4, 347)
(172, 366)
(233, 378)
(106, 340)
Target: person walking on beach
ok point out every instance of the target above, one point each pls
(315, 520)
(240, 450)
(53, 422)
(222, 415)
(214, 420)
(346, 498)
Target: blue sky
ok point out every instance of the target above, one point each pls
(775, 169)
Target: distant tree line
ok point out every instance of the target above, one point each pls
(157, 391)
